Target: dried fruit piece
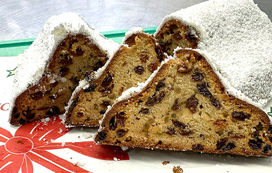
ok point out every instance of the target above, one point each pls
(106, 90)
(144, 57)
(176, 105)
(197, 76)
(105, 103)
(240, 115)
(80, 114)
(54, 110)
(28, 113)
(178, 124)
(65, 59)
(144, 111)
(177, 36)
(91, 87)
(102, 112)
(197, 147)
(267, 148)
(192, 103)
(184, 67)
(120, 133)
(120, 118)
(101, 136)
(139, 69)
(37, 95)
(190, 37)
(170, 131)
(185, 132)
(160, 85)
(215, 102)
(229, 146)
(63, 71)
(160, 97)
(107, 80)
(255, 144)
(151, 101)
(221, 143)
(112, 124)
(74, 103)
(259, 127)
(153, 66)
(203, 89)
(79, 51)
(160, 54)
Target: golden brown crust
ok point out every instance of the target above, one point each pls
(130, 65)
(194, 113)
(173, 34)
(74, 58)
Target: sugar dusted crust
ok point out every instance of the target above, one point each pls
(75, 58)
(35, 65)
(185, 107)
(134, 62)
(235, 35)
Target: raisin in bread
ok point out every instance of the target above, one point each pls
(185, 107)
(65, 51)
(134, 62)
(235, 35)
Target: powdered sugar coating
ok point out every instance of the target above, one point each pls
(236, 37)
(34, 61)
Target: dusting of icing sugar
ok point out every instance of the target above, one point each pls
(33, 62)
(236, 37)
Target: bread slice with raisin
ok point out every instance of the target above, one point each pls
(186, 107)
(64, 52)
(134, 62)
(236, 36)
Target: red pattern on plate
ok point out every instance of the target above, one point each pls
(31, 142)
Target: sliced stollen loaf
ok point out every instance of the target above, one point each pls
(134, 62)
(237, 38)
(184, 106)
(50, 69)
(211, 103)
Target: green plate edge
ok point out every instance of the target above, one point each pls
(16, 47)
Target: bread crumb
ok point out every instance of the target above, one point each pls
(116, 159)
(87, 136)
(79, 164)
(124, 148)
(177, 169)
(165, 162)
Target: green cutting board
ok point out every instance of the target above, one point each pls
(16, 47)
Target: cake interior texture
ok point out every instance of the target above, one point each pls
(174, 34)
(74, 58)
(185, 107)
(130, 65)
